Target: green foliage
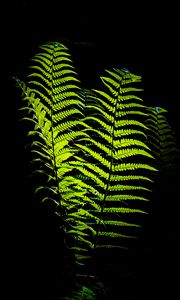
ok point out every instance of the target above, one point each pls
(161, 139)
(81, 292)
(99, 150)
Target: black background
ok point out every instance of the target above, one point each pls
(142, 37)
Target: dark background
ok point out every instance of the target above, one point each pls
(142, 37)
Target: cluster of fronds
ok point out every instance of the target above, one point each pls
(92, 146)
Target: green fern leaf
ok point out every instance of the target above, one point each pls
(162, 140)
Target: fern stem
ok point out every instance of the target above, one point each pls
(110, 172)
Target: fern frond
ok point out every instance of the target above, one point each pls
(81, 292)
(161, 139)
(109, 154)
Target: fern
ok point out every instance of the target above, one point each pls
(99, 151)
(92, 148)
(81, 292)
(110, 115)
(161, 139)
